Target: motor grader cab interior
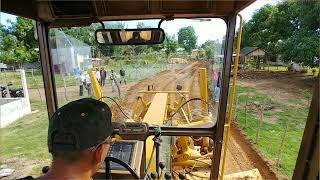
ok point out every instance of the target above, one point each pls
(165, 136)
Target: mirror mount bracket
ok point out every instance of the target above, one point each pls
(167, 18)
(102, 24)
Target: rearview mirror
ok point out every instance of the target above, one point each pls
(130, 36)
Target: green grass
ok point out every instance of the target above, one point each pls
(133, 73)
(285, 69)
(271, 133)
(25, 140)
(34, 81)
(276, 68)
(313, 72)
(141, 71)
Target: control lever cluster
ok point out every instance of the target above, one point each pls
(165, 175)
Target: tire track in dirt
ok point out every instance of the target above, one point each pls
(165, 80)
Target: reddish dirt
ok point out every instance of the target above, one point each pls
(166, 80)
(285, 86)
(241, 155)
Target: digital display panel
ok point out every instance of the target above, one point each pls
(122, 151)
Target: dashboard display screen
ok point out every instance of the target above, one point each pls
(122, 151)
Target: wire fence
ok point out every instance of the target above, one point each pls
(275, 128)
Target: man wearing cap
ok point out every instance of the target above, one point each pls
(78, 139)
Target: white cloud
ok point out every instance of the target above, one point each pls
(206, 30)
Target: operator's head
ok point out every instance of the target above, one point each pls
(79, 134)
(136, 35)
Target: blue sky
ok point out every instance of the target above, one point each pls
(211, 30)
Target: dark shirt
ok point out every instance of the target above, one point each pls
(219, 81)
(136, 41)
(122, 72)
(103, 74)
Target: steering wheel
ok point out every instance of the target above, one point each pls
(109, 159)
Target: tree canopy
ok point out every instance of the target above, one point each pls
(289, 30)
(170, 44)
(211, 48)
(187, 38)
(18, 44)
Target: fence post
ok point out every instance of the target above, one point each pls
(36, 83)
(259, 125)
(236, 109)
(245, 113)
(65, 87)
(285, 136)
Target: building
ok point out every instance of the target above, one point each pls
(251, 53)
(3, 66)
(198, 54)
(68, 53)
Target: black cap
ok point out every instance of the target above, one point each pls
(79, 125)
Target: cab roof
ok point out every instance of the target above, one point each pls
(60, 13)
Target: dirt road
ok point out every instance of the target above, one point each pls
(166, 80)
(240, 156)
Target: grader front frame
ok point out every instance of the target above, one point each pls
(165, 104)
(160, 111)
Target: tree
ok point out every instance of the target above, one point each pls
(187, 38)
(211, 48)
(7, 48)
(86, 35)
(18, 44)
(289, 30)
(142, 25)
(209, 53)
(302, 46)
(170, 44)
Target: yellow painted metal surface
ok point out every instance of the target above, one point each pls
(186, 149)
(194, 163)
(189, 109)
(95, 85)
(169, 92)
(232, 97)
(204, 88)
(149, 146)
(156, 113)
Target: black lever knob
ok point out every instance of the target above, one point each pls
(161, 165)
(154, 175)
(167, 176)
(182, 176)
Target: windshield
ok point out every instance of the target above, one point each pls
(176, 83)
